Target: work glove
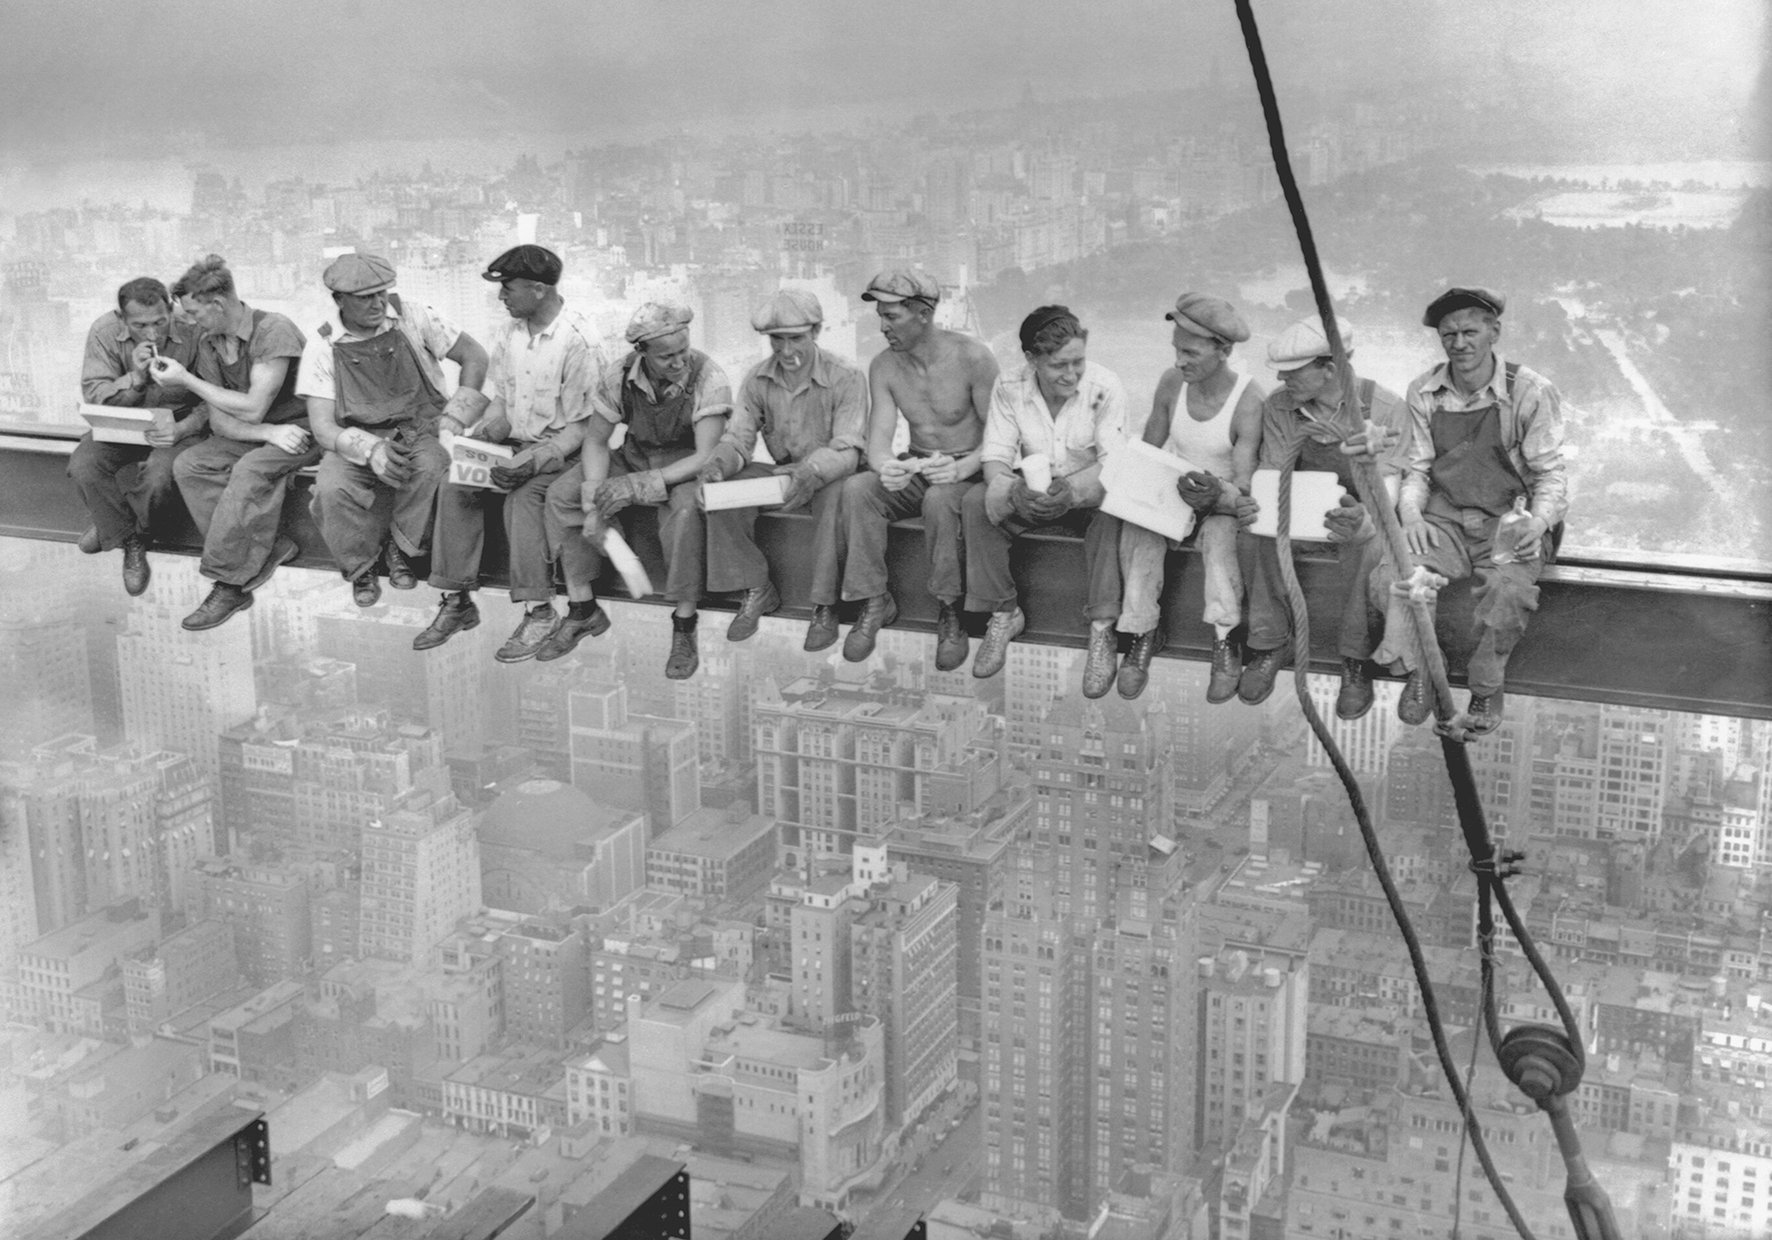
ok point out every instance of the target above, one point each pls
(803, 484)
(510, 477)
(390, 463)
(1371, 441)
(463, 410)
(1022, 500)
(1057, 501)
(718, 465)
(625, 490)
(1199, 491)
(1348, 521)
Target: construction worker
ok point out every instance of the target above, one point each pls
(811, 408)
(940, 381)
(1073, 412)
(1297, 426)
(374, 389)
(544, 364)
(674, 401)
(233, 481)
(1485, 433)
(1207, 413)
(123, 485)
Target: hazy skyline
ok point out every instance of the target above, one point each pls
(86, 78)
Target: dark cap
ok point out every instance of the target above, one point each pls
(525, 262)
(903, 284)
(1460, 298)
(1204, 315)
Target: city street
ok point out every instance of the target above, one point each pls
(950, 1161)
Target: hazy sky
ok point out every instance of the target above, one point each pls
(84, 75)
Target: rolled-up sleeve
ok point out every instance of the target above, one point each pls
(713, 394)
(747, 419)
(606, 392)
(104, 378)
(1108, 407)
(1002, 432)
(1539, 409)
(849, 427)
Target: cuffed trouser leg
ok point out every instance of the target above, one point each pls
(531, 551)
(580, 559)
(109, 498)
(733, 560)
(944, 537)
(1143, 554)
(1503, 598)
(1101, 561)
(235, 492)
(458, 538)
(989, 584)
(867, 509)
(351, 508)
(1356, 562)
(1270, 615)
(684, 535)
(1217, 541)
(415, 502)
(828, 552)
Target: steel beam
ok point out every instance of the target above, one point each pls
(1677, 633)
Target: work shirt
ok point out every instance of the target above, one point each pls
(105, 377)
(251, 337)
(824, 422)
(540, 386)
(431, 335)
(1295, 434)
(712, 396)
(1089, 428)
(1532, 432)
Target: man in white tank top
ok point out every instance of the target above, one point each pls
(1210, 415)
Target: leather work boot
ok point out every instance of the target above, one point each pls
(1227, 666)
(1355, 698)
(1259, 674)
(223, 601)
(1098, 664)
(89, 543)
(821, 633)
(135, 566)
(282, 552)
(1135, 669)
(538, 624)
(759, 601)
(1004, 627)
(1414, 706)
(573, 629)
(951, 646)
(880, 611)
(1483, 713)
(685, 657)
(400, 574)
(366, 588)
(457, 614)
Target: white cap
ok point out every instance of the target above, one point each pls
(1304, 341)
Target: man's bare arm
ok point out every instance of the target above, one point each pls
(882, 413)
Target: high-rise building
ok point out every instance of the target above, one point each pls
(633, 761)
(43, 664)
(421, 874)
(267, 905)
(546, 982)
(1601, 771)
(443, 689)
(181, 690)
(185, 969)
(58, 971)
(903, 970)
(1034, 678)
(1253, 1026)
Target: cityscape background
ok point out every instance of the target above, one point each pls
(876, 939)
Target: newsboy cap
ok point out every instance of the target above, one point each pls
(358, 273)
(1462, 298)
(525, 262)
(1204, 315)
(1305, 341)
(657, 318)
(903, 284)
(790, 310)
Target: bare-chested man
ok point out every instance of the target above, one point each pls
(941, 382)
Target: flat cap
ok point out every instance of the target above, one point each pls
(1305, 341)
(1462, 298)
(1209, 316)
(657, 318)
(525, 262)
(358, 273)
(903, 284)
(790, 310)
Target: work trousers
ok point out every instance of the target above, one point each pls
(358, 512)
(991, 587)
(1503, 596)
(868, 508)
(681, 531)
(459, 537)
(123, 486)
(234, 491)
(1270, 615)
(735, 563)
(1143, 554)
